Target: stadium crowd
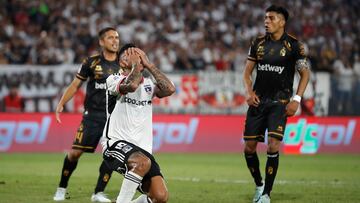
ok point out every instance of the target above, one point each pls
(183, 35)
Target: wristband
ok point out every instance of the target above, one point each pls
(297, 98)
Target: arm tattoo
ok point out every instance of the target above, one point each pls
(134, 78)
(165, 86)
(302, 63)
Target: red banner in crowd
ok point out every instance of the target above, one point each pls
(185, 133)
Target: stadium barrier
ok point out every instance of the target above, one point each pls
(185, 133)
(202, 92)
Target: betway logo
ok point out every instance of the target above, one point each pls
(100, 86)
(23, 132)
(268, 67)
(308, 138)
(174, 133)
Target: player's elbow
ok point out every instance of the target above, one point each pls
(172, 89)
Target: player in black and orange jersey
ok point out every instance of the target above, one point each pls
(276, 56)
(94, 70)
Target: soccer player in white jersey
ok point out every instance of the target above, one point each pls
(127, 138)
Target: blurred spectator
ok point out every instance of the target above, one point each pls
(345, 75)
(13, 102)
(56, 32)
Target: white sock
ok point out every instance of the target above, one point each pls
(128, 187)
(142, 199)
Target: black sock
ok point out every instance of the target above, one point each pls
(66, 172)
(252, 162)
(271, 170)
(104, 177)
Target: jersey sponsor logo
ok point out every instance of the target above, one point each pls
(270, 68)
(101, 86)
(23, 132)
(136, 102)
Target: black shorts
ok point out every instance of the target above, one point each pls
(271, 116)
(116, 157)
(89, 133)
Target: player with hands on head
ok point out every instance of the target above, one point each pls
(127, 138)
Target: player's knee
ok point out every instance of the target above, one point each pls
(273, 145)
(74, 155)
(250, 147)
(160, 196)
(139, 163)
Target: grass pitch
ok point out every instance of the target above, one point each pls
(191, 178)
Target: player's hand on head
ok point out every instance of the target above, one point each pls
(253, 99)
(144, 58)
(58, 110)
(291, 108)
(133, 57)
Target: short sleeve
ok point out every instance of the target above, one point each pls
(84, 70)
(252, 51)
(113, 82)
(300, 51)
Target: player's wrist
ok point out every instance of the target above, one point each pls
(296, 98)
(151, 66)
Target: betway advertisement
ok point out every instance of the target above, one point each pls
(185, 133)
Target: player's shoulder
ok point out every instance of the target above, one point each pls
(259, 38)
(292, 38)
(91, 59)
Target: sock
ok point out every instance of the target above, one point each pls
(252, 162)
(67, 170)
(271, 170)
(128, 187)
(104, 177)
(142, 199)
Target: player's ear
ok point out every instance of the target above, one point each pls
(101, 42)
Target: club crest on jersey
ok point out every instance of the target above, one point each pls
(283, 52)
(98, 72)
(148, 89)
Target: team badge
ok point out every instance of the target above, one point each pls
(260, 52)
(110, 71)
(98, 72)
(148, 88)
(271, 52)
(283, 52)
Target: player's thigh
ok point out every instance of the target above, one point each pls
(277, 121)
(255, 124)
(158, 190)
(88, 135)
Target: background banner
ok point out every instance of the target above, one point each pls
(185, 133)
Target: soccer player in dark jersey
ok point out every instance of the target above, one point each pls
(95, 69)
(276, 56)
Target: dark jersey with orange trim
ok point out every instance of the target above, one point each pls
(275, 65)
(96, 69)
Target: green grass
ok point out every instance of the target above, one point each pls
(191, 178)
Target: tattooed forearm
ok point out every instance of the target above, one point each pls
(165, 86)
(132, 81)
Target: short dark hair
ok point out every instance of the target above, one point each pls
(279, 9)
(123, 49)
(105, 30)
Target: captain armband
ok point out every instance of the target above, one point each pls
(301, 64)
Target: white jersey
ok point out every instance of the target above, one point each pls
(131, 119)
